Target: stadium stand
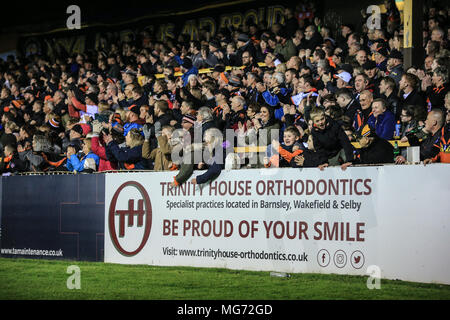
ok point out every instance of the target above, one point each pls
(300, 94)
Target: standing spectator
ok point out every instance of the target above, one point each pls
(388, 92)
(160, 156)
(130, 157)
(362, 115)
(409, 94)
(436, 95)
(330, 139)
(348, 104)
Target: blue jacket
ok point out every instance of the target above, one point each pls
(214, 169)
(127, 156)
(76, 164)
(384, 125)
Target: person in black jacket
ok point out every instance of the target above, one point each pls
(373, 149)
(429, 147)
(408, 92)
(330, 138)
(11, 162)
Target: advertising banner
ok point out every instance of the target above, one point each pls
(287, 220)
(53, 217)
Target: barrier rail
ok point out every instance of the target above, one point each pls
(207, 70)
(260, 149)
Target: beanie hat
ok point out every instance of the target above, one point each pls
(189, 118)
(54, 123)
(135, 109)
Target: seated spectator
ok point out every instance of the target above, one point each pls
(382, 120)
(11, 162)
(409, 124)
(374, 150)
(87, 161)
(429, 147)
(444, 148)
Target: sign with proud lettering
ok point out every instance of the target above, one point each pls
(287, 220)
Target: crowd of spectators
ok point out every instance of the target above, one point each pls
(302, 89)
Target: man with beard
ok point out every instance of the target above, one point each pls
(395, 66)
(313, 38)
(244, 44)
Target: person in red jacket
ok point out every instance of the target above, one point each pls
(98, 147)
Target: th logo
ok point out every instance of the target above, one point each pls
(142, 216)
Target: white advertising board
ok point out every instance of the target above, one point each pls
(288, 220)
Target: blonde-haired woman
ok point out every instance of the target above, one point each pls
(130, 157)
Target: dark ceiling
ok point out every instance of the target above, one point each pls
(18, 14)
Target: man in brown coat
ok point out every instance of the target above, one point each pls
(160, 156)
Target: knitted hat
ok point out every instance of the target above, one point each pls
(54, 123)
(135, 109)
(189, 118)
